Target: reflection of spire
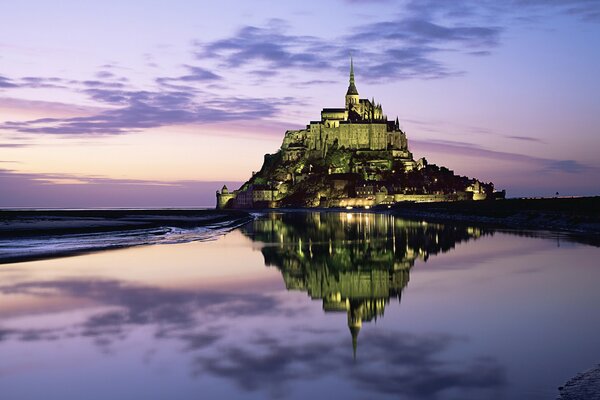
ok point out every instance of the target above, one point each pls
(357, 263)
(354, 331)
(355, 318)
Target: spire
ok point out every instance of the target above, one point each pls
(352, 86)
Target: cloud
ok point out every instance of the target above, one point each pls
(469, 149)
(388, 363)
(141, 110)
(104, 74)
(401, 46)
(174, 101)
(145, 305)
(7, 83)
(585, 10)
(426, 33)
(526, 139)
(406, 45)
(196, 74)
(568, 166)
(37, 82)
(406, 48)
(269, 44)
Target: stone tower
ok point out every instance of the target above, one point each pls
(352, 93)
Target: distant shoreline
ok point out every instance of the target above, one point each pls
(580, 215)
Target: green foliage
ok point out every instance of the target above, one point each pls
(260, 180)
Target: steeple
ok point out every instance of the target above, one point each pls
(352, 93)
(352, 86)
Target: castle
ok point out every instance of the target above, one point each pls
(352, 157)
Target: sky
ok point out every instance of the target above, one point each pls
(158, 104)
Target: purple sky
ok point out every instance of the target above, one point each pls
(152, 104)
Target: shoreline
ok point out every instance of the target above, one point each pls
(23, 223)
(576, 217)
(28, 235)
(58, 233)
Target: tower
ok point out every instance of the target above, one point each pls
(352, 93)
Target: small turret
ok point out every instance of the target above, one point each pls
(224, 198)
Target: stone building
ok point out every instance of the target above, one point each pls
(361, 125)
(331, 161)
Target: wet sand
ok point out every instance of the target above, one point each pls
(60, 222)
(36, 234)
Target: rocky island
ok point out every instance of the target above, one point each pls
(352, 157)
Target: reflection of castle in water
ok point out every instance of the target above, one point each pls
(355, 263)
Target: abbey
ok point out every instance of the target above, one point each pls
(360, 125)
(352, 157)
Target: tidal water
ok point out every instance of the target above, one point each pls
(306, 305)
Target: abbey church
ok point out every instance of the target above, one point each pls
(352, 157)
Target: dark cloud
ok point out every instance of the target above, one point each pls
(314, 82)
(37, 82)
(30, 335)
(104, 74)
(196, 74)
(7, 83)
(150, 109)
(388, 363)
(568, 166)
(200, 340)
(526, 139)
(401, 46)
(270, 45)
(176, 102)
(140, 305)
(404, 47)
(423, 32)
(409, 364)
(585, 10)
(103, 84)
(272, 366)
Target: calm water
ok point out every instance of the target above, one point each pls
(332, 305)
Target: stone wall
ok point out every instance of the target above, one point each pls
(370, 136)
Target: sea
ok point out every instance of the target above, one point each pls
(296, 305)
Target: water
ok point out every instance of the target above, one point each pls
(318, 305)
